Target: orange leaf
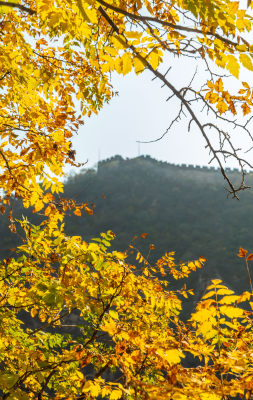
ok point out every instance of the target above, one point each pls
(88, 210)
(78, 212)
(245, 108)
(13, 228)
(47, 211)
(2, 209)
(250, 257)
(245, 296)
(218, 85)
(144, 235)
(222, 106)
(33, 312)
(242, 252)
(48, 197)
(152, 247)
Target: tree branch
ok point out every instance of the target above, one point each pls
(187, 104)
(19, 6)
(137, 17)
(46, 383)
(108, 19)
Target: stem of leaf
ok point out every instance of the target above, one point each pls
(250, 281)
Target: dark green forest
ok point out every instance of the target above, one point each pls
(182, 208)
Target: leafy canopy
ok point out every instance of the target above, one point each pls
(58, 51)
(128, 341)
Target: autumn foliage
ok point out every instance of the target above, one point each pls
(129, 341)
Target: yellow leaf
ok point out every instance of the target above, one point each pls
(198, 264)
(243, 24)
(53, 19)
(126, 63)
(233, 66)
(206, 329)
(229, 299)
(92, 387)
(93, 247)
(241, 47)
(212, 97)
(95, 390)
(105, 391)
(154, 59)
(216, 281)
(79, 374)
(38, 206)
(172, 356)
(139, 65)
(120, 42)
(209, 396)
(209, 294)
(110, 327)
(42, 316)
(116, 394)
(233, 7)
(139, 257)
(240, 24)
(133, 35)
(114, 314)
(201, 315)
(225, 291)
(246, 61)
(232, 312)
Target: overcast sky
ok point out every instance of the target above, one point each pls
(140, 112)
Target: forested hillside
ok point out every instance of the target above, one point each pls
(183, 209)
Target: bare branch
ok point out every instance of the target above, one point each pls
(224, 138)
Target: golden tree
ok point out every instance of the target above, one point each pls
(131, 342)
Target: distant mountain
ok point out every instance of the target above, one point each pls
(182, 208)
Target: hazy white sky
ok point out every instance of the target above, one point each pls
(141, 112)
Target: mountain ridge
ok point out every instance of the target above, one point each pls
(183, 209)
